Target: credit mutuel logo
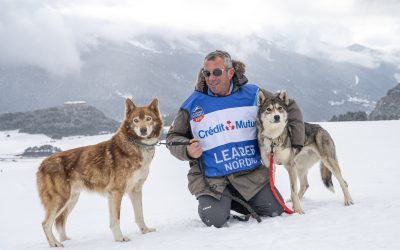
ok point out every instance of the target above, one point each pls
(226, 127)
(197, 114)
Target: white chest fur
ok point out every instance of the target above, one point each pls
(141, 173)
(281, 154)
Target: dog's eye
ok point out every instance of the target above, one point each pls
(269, 109)
(148, 119)
(135, 120)
(280, 108)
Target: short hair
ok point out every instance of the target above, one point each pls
(222, 54)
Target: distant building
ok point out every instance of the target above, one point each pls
(74, 102)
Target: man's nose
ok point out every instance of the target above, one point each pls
(212, 77)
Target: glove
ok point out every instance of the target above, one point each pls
(296, 149)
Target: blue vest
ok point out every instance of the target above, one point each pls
(226, 128)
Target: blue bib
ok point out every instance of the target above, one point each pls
(226, 128)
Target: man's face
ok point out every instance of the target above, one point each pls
(218, 84)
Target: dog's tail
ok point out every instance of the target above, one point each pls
(326, 176)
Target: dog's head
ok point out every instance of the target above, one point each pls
(142, 122)
(272, 111)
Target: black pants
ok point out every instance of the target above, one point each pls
(214, 212)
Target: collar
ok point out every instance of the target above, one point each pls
(140, 143)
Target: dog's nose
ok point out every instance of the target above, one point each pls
(277, 118)
(143, 131)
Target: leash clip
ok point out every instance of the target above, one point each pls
(173, 143)
(273, 144)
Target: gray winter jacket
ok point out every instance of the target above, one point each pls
(247, 183)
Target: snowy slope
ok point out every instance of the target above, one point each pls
(368, 153)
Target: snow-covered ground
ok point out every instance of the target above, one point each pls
(369, 156)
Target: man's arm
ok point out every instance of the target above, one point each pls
(180, 132)
(296, 125)
(295, 121)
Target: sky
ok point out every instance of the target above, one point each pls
(50, 33)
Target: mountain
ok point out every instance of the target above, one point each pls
(388, 108)
(75, 118)
(151, 66)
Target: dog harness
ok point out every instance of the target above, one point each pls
(226, 128)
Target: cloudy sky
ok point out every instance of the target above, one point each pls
(52, 32)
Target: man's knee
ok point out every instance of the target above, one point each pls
(214, 212)
(213, 217)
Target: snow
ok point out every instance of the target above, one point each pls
(334, 103)
(368, 153)
(356, 80)
(74, 102)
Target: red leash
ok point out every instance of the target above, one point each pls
(272, 186)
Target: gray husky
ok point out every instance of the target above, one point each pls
(273, 131)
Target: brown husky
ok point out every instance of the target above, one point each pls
(113, 168)
(273, 130)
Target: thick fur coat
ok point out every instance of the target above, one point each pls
(112, 168)
(273, 135)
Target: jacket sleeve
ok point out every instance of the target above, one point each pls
(296, 123)
(180, 132)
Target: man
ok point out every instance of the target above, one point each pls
(218, 119)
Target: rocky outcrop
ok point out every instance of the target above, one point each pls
(57, 122)
(388, 108)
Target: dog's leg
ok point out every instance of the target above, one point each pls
(53, 210)
(62, 218)
(114, 204)
(136, 198)
(303, 182)
(293, 189)
(302, 163)
(333, 165)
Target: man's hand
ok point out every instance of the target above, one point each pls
(296, 150)
(194, 149)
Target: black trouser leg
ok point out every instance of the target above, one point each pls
(265, 204)
(214, 212)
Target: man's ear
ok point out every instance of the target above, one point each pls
(129, 106)
(231, 72)
(283, 95)
(260, 98)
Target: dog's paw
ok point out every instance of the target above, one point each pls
(348, 202)
(55, 244)
(122, 239)
(299, 210)
(64, 238)
(147, 230)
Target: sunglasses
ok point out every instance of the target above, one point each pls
(215, 72)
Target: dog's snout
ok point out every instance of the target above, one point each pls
(277, 118)
(143, 131)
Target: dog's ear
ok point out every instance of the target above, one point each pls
(129, 106)
(260, 98)
(283, 95)
(154, 105)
